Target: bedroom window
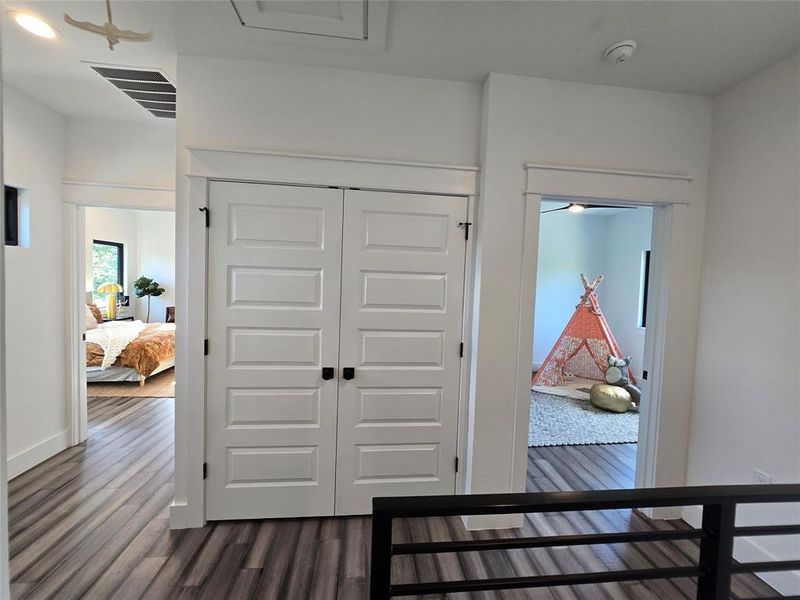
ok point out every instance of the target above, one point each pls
(108, 259)
(12, 215)
(644, 289)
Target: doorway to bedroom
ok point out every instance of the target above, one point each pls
(129, 280)
(590, 323)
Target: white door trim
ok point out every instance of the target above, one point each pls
(466, 359)
(654, 350)
(76, 197)
(272, 167)
(659, 190)
(636, 187)
(313, 169)
(74, 258)
(4, 567)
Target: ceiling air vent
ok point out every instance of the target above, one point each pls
(149, 88)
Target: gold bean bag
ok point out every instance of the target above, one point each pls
(610, 397)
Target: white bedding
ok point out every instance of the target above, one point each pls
(113, 337)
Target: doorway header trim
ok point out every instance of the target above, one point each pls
(338, 171)
(573, 181)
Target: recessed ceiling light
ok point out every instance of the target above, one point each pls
(34, 24)
(576, 208)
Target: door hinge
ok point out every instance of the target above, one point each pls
(205, 470)
(205, 347)
(461, 350)
(205, 210)
(456, 465)
(466, 225)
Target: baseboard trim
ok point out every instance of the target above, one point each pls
(27, 459)
(178, 515)
(482, 522)
(785, 582)
(665, 513)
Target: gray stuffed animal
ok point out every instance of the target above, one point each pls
(617, 374)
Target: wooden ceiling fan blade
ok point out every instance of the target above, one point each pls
(544, 212)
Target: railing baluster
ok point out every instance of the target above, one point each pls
(380, 586)
(716, 551)
(717, 534)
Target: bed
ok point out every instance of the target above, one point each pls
(138, 350)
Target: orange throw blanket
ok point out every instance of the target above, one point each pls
(153, 345)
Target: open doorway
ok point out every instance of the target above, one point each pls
(590, 324)
(129, 278)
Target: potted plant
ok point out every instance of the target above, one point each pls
(144, 286)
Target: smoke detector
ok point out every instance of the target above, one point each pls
(620, 51)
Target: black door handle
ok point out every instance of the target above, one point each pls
(327, 373)
(349, 373)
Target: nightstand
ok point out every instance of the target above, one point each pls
(122, 317)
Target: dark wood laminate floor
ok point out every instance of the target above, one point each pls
(92, 523)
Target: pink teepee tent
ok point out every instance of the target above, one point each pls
(583, 347)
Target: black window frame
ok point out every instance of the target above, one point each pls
(645, 288)
(120, 259)
(11, 209)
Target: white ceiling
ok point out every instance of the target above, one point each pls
(688, 47)
(52, 72)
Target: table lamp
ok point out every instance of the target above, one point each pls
(111, 289)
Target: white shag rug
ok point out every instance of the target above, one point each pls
(561, 421)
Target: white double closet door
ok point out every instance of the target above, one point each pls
(366, 284)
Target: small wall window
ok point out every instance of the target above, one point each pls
(644, 289)
(108, 259)
(11, 206)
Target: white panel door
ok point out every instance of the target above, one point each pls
(402, 297)
(273, 324)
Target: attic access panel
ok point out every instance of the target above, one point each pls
(346, 19)
(149, 88)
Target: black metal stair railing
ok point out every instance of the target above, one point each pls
(716, 535)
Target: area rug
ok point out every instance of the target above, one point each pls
(561, 421)
(574, 388)
(157, 386)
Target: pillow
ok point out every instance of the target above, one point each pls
(89, 319)
(96, 312)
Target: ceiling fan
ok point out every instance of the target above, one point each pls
(111, 32)
(576, 207)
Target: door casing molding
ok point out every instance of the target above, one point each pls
(76, 197)
(661, 191)
(279, 168)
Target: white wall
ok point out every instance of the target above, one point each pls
(240, 104)
(568, 245)
(255, 105)
(121, 153)
(544, 121)
(149, 243)
(746, 407)
(34, 141)
(156, 259)
(593, 244)
(627, 235)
